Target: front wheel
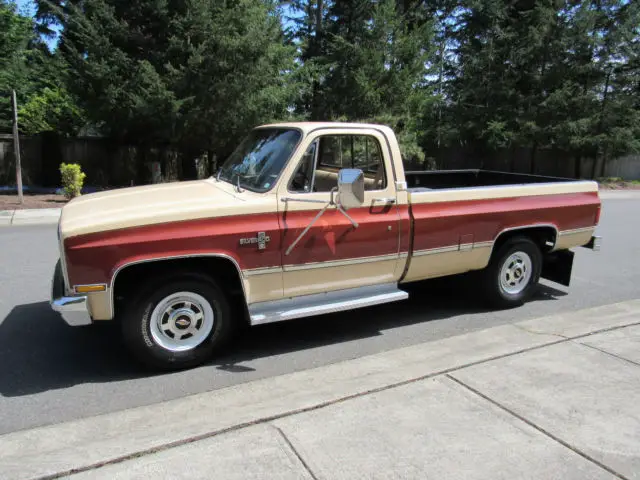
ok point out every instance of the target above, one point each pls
(513, 273)
(178, 323)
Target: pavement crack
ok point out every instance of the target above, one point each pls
(536, 427)
(534, 332)
(295, 452)
(609, 353)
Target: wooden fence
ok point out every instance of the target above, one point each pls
(109, 165)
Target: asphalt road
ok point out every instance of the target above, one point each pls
(51, 372)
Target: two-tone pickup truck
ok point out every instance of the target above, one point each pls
(306, 219)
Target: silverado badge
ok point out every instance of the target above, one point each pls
(261, 239)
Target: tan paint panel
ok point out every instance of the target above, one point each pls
(316, 280)
(100, 305)
(261, 288)
(570, 239)
(501, 191)
(447, 263)
(157, 204)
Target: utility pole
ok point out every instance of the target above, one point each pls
(16, 145)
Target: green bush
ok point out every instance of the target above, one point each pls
(72, 179)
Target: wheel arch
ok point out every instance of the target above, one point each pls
(542, 234)
(216, 266)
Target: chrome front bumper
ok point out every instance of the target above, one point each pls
(73, 310)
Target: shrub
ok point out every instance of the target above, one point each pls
(72, 179)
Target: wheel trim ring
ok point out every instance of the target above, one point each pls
(167, 316)
(516, 273)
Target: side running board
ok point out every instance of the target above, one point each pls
(320, 303)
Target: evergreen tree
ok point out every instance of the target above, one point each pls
(375, 61)
(16, 42)
(37, 75)
(190, 74)
(542, 74)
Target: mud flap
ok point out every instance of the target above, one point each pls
(557, 267)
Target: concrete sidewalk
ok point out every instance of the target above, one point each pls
(36, 216)
(555, 397)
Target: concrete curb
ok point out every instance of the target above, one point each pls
(39, 216)
(86, 444)
(6, 217)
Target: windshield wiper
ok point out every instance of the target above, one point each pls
(237, 186)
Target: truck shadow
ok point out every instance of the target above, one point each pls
(429, 301)
(39, 352)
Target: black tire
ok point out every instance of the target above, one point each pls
(494, 291)
(137, 319)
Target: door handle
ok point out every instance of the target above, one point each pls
(385, 200)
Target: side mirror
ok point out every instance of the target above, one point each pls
(350, 187)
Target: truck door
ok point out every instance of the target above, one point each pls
(333, 254)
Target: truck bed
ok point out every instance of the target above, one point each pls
(458, 215)
(441, 179)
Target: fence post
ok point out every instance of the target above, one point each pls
(16, 145)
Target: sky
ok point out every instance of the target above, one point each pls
(26, 5)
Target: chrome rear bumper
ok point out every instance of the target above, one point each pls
(73, 310)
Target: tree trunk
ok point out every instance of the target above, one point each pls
(319, 20)
(315, 51)
(603, 165)
(532, 163)
(600, 156)
(213, 162)
(141, 176)
(188, 169)
(512, 160)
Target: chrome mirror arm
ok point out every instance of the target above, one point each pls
(344, 212)
(332, 202)
(292, 246)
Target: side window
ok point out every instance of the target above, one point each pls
(367, 156)
(335, 152)
(331, 151)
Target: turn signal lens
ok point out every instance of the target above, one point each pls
(90, 288)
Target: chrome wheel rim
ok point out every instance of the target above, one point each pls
(181, 321)
(516, 273)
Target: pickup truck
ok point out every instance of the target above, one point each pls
(305, 219)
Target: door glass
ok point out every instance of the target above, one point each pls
(336, 152)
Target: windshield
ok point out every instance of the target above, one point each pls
(257, 162)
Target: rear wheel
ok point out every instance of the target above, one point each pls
(513, 273)
(179, 323)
